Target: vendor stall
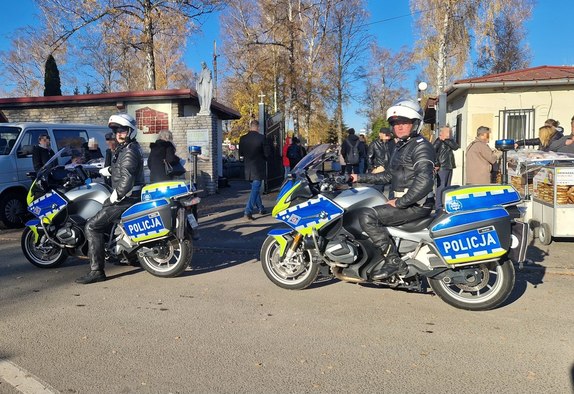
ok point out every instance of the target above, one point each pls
(545, 180)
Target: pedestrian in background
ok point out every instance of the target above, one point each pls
(255, 152)
(555, 125)
(350, 149)
(444, 147)
(295, 152)
(284, 158)
(480, 158)
(546, 136)
(363, 158)
(380, 151)
(161, 151)
(566, 143)
(42, 152)
(112, 144)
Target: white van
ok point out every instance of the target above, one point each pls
(16, 142)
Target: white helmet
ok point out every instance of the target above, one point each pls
(406, 109)
(123, 121)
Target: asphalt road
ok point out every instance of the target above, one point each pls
(224, 327)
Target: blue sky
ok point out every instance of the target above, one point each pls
(549, 35)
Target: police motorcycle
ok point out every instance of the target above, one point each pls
(464, 253)
(156, 232)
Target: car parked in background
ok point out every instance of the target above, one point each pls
(16, 143)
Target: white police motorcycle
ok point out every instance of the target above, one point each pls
(465, 253)
(157, 232)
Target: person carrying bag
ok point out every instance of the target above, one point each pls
(175, 169)
(162, 162)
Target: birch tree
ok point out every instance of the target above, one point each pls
(385, 80)
(506, 50)
(349, 45)
(449, 28)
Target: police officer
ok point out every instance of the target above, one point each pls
(411, 175)
(126, 172)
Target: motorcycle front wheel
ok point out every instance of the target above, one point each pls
(488, 290)
(166, 258)
(296, 273)
(43, 254)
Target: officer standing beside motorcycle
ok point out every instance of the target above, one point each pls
(126, 172)
(411, 175)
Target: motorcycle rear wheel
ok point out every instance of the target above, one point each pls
(44, 254)
(488, 291)
(171, 257)
(295, 274)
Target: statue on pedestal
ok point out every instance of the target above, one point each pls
(204, 88)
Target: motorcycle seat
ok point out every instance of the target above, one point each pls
(417, 225)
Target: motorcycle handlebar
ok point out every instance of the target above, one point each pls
(341, 179)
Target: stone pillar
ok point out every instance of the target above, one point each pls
(204, 131)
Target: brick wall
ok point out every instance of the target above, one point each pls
(92, 114)
(208, 173)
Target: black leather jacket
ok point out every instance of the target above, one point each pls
(411, 168)
(380, 153)
(444, 155)
(127, 169)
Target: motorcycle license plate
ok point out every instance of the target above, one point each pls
(191, 220)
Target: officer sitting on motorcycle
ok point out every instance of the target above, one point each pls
(126, 172)
(410, 174)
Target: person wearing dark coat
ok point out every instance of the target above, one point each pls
(255, 152)
(444, 147)
(126, 172)
(380, 151)
(547, 136)
(295, 152)
(352, 165)
(112, 145)
(42, 152)
(161, 151)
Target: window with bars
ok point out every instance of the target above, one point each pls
(516, 124)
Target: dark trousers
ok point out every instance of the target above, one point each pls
(352, 168)
(374, 222)
(443, 179)
(97, 226)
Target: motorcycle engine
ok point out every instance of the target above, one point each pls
(340, 250)
(69, 235)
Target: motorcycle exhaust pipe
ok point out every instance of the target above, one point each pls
(337, 271)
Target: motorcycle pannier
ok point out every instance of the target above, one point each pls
(148, 220)
(165, 189)
(468, 236)
(470, 197)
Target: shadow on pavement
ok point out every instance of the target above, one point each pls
(521, 283)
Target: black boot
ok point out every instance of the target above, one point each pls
(393, 265)
(92, 277)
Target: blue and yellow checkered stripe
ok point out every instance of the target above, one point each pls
(166, 189)
(47, 206)
(475, 197)
(311, 214)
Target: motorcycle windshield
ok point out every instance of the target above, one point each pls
(313, 159)
(65, 151)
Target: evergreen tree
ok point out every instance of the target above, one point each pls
(52, 86)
